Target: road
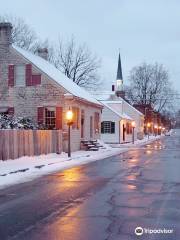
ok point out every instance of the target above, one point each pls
(103, 200)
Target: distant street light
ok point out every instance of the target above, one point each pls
(69, 118)
(156, 128)
(148, 127)
(133, 124)
(160, 129)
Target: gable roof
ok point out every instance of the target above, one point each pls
(56, 75)
(110, 96)
(112, 105)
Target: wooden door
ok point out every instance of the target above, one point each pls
(91, 127)
(82, 123)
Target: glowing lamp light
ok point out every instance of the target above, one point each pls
(156, 126)
(148, 125)
(133, 124)
(69, 118)
(69, 115)
(160, 127)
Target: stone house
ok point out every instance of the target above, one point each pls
(31, 87)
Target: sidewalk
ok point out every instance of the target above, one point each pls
(28, 168)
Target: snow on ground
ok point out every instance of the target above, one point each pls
(137, 142)
(27, 168)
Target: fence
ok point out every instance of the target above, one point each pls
(18, 143)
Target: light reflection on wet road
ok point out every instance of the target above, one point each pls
(104, 200)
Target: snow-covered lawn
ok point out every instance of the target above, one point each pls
(27, 168)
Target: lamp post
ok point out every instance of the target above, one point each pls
(133, 127)
(69, 118)
(148, 126)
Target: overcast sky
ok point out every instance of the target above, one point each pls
(142, 30)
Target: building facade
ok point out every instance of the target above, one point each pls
(121, 122)
(31, 87)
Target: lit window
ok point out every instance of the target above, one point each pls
(108, 127)
(20, 75)
(50, 118)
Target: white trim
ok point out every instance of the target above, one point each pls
(122, 116)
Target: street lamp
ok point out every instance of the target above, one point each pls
(69, 118)
(156, 127)
(160, 129)
(133, 124)
(148, 126)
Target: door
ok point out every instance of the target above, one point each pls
(124, 133)
(91, 127)
(82, 123)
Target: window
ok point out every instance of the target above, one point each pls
(96, 122)
(20, 75)
(75, 117)
(108, 127)
(50, 117)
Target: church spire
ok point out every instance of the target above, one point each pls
(119, 69)
(119, 78)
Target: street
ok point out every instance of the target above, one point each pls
(103, 200)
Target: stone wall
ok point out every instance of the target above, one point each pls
(26, 100)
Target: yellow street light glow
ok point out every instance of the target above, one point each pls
(148, 124)
(133, 124)
(69, 115)
(155, 126)
(160, 127)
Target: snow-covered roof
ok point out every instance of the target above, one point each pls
(114, 107)
(103, 95)
(110, 96)
(57, 76)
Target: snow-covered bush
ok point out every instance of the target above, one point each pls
(11, 122)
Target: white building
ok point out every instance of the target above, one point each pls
(118, 115)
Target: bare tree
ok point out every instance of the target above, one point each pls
(149, 84)
(77, 63)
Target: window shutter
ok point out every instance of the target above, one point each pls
(74, 118)
(112, 127)
(77, 112)
(40, 115)
(11, 75)
(58, 117)
(102, 127)
(36, 79)
(11, 111)
(28, 75)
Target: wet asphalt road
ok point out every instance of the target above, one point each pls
(104, 200)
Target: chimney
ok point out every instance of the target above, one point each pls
(5, 33)
(43, 52)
